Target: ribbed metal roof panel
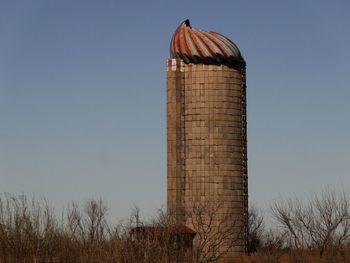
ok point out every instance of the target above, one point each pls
(203, 47)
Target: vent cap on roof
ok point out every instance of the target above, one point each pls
(203, 47)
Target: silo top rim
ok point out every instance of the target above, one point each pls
(203, 47)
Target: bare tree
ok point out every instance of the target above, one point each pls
(95, 221)
(216, 236)
(321, 223)
(255, 229)
(273, 246)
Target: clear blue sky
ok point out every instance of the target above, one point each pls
(82, 96)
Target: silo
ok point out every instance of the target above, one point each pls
(206, 132)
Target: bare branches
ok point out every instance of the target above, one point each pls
(96, 220)
(322, 223)
(216, 235)
(27, 227)
(255, 229)
(31, 232)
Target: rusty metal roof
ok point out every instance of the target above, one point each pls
(203, 47)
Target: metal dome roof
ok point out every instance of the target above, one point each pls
(203, 47)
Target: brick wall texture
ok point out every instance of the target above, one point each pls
(207, 146)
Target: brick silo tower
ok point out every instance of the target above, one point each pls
(207, 137)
